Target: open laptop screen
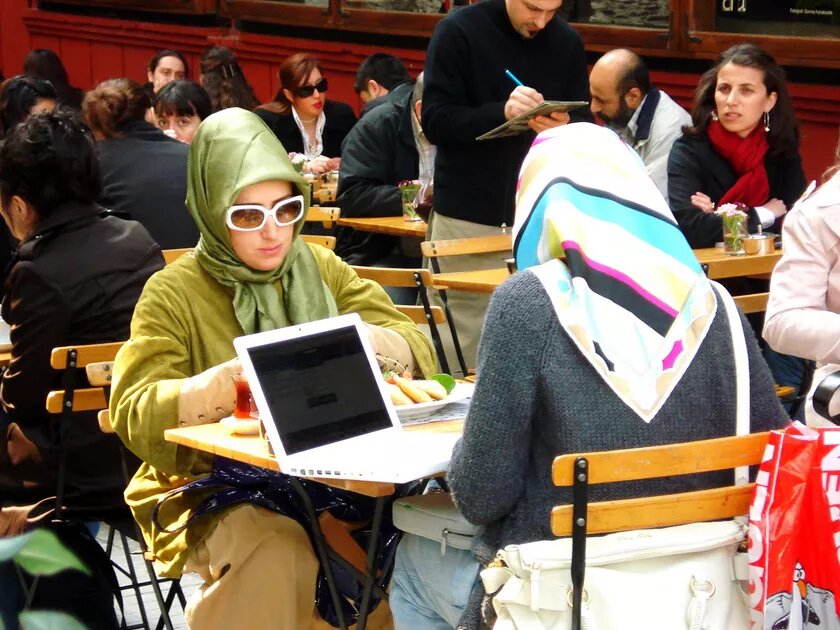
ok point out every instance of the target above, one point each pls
(319, 388)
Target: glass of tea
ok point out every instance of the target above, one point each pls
(242, 410)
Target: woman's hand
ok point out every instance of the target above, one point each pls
(317, 166)
(777, 207)
(703, 202)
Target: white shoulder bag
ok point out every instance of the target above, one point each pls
(683, 577)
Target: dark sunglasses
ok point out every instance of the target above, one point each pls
(305, 91)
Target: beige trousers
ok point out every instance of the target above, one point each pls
(468, 308)
(259, 571)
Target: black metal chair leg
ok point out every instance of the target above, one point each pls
(134, 584)
(370, 580)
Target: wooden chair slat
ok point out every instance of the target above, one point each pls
(393, 276)
(462, 246)
(85, 399)
(85, 354)
(104, 419)
(171, 255)
(665, 460)
(657, 511)
(317, 239)
(99, 374)
(752, 303)
(417, 314)
(327, 215)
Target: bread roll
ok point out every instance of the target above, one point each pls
(397, 396)
(432, 388)
(411, 390)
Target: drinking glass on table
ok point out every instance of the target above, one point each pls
(409, 190)
(242, 408)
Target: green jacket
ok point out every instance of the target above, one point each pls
(184, 324)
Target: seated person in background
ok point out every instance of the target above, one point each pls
(250, 273)
(743, 147)
(166, 66)
(625, 100)
(302, 118)
(44, 64)
(383, 149)
(144, 173)
(180, 107)
(378, 76)
(222, 77)
(75, 280)
(803, 314)
(22, 96)
(588, 360)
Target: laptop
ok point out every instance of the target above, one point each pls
(325, 408)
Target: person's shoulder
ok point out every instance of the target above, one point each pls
(520, 288)
(180, 280)
(339, 108)
(668, 103)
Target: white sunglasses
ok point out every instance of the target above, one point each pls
(250, 217)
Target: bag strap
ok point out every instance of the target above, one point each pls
(742, 374)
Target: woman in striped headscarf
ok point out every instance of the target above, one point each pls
(609, 337)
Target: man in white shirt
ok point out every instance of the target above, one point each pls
(649, 120)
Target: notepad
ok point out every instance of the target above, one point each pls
(519, 124)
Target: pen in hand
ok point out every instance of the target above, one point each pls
(513, 78)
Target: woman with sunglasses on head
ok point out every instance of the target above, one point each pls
(250, 272)
(303, 119)
(222, 77)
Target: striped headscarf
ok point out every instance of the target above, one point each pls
(629, 292)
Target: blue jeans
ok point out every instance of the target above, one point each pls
(430, 591)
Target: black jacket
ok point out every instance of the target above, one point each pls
(694, 166)
(378, 153)
(75, 281)
(144, 177)
(464, 96)
(339, 121)
(396, 94)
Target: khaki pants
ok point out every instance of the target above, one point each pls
(468, 308)
(259, 571)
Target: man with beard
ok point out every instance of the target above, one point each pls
(624, 99)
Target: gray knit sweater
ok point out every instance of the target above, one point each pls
(537, 397)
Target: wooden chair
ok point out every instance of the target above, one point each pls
(752, 303)
(317, 239)
(97, 361)
(327, 215)
(578, 471)
(425, 314)
(461, 247)
(171, 255)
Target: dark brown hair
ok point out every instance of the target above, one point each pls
(293, 73)
(168, 52)
(783, 136)
(224, 80)
(113, 103)
(45, 64)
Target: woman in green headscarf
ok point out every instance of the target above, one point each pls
(250, 272)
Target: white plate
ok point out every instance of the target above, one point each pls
(462, 391)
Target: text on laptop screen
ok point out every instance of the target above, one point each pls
(320, 389)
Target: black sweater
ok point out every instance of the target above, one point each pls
(466, 89)
(694, 166)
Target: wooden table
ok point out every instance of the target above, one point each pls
(722, 266)
(395, 226)
(5, 357)
(217, 439)
(719, 266)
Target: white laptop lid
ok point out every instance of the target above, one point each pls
(316, 384)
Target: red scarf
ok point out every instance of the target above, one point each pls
(746, 156)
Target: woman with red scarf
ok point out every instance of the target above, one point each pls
(743, 148)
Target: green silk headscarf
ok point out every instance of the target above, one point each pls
(231, 150)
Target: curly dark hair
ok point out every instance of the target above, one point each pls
(20, 94)
(224, 80)
(783, 136)
(50, 159)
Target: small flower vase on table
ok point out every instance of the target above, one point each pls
(409, 190)
(734, 220)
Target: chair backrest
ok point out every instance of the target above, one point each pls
(395, 276)
(752, 303)
(317, 239)
(652, 462)
(171, 255)
(418, 315)
(463, 246)
(86, 398)
(327, 215)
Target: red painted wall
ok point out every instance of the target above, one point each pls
(95, 49)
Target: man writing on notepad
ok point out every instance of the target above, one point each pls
(468, 93)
